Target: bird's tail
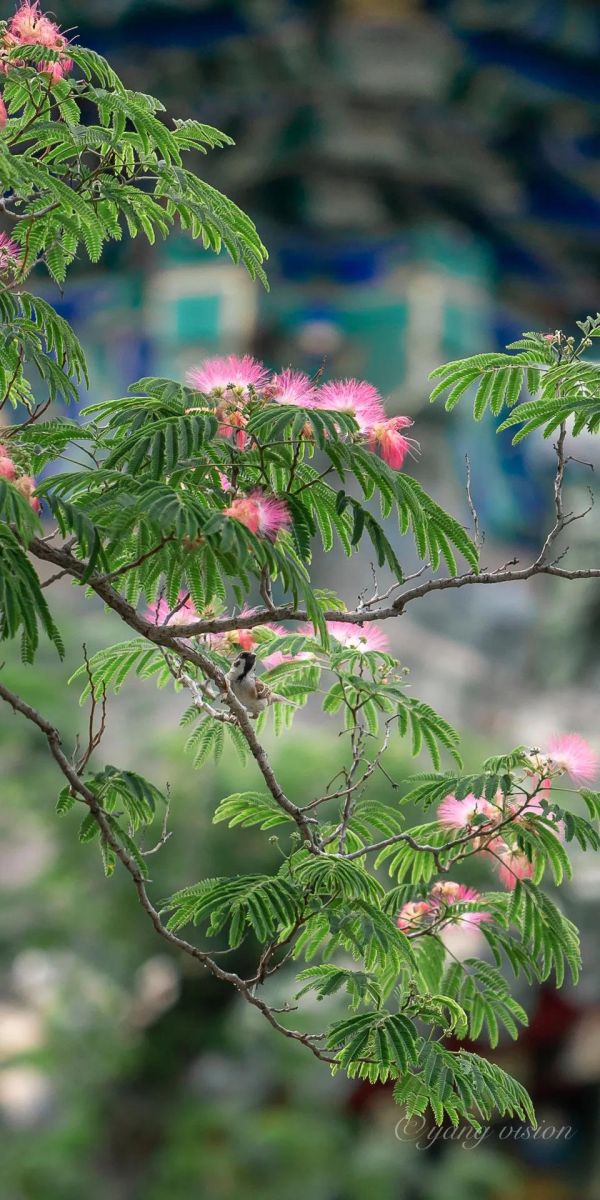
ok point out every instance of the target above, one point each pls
(277, 699)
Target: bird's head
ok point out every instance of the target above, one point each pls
(243, 664)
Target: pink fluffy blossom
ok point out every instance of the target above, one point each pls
(10, 253)
(537, 806)
(26, 486)
(263, 515)
(571, 753)
(292, 387)
(159, 612)
(459, 814)
(239, 639)
(29, 27)
(448, 893)
(232, 424)
(57, 68)
(359, 637)
(229, 372)
(386, 437)
(511, 864)
(3, 113)
(354, 396)
(411, 915)
(278, 657)
(7, 466)
(275, 659)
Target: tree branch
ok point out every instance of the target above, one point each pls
(84, 792)
(162, 636)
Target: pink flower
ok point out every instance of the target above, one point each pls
(263, 515)
(3, 113)
(448, 893)
(26, 486)
(224, 481)
(230, 372)
(533, 808)
(357, 637)
(10, 253)
(278, 657)
(411, 914)
(354, 396)
(29, 27)
(511, 864)
(159, 613)
(232, 424)
(238, 639)
(393, 446)
(292, 387)
(57, 69)
(459, 814)
(7, 466)
(571, 753)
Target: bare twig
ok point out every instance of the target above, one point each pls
(478, 537)
(130, 566)
(80, 788)
(165, 832)
(94, 737)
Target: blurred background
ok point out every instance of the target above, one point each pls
(425, 175)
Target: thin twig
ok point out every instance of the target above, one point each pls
(106, 829)
(478, 538)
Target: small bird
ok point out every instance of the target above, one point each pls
(255, 695)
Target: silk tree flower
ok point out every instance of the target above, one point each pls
(7, 466)
(355, 396)
(537, 806)
(460, 814)
(30, 27)
(448, 893)
(10, 253)
(240, 375)
(570, 753)
(26, 486)
(185, 612)
(412, 915)
(239, 639)
(232, 424)
(357, 637)
(511, 864)
(263, 515)
(292, 387)
(57, 69)
(393, 446)
(278, 657)
(3, 113)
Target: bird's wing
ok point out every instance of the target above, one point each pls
(263, 692)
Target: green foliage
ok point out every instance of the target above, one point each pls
(191, 510)
(374, 1045)
(484, 995)
(23, 608)
(264, 904)
(459, 1086)
(548, 368)
(248, 809)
